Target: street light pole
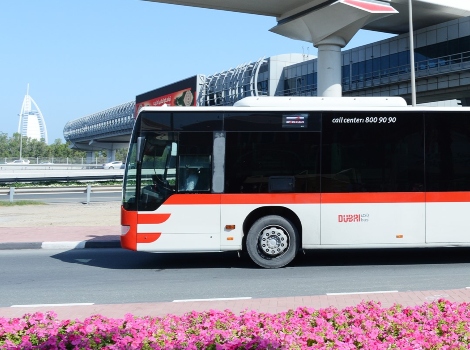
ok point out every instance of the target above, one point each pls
(412, 55)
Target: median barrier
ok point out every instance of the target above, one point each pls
(76, 189)
(88, 189)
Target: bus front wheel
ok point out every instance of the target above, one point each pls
(272, 242)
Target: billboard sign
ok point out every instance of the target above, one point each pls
(182, 93)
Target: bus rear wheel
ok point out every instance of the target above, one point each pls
(272, 242)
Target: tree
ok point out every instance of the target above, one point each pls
(32, 148)
(121, 154)
(63, 150)
(4, 142)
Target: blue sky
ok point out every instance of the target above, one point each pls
(82, 57)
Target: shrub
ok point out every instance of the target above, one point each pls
(437, 325)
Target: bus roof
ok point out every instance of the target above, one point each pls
(301, 101)
(304, 103)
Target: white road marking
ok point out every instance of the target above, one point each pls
(376, 292)
(48, 305)
(212, 299)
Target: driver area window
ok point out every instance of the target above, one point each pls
(195, 162)
(195, 173)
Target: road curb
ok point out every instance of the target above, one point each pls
(60, 245)
(20, 245)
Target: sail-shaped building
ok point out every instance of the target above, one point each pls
(31, 123)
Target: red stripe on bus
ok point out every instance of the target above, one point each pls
(271, 198)
(147, 237)
(244, 198)
(129, 218)
(152, 218)
(193, 199)
(316, 198)
(373, 197)
(436, 197)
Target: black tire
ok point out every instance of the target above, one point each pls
(272, 242)
(110, 168)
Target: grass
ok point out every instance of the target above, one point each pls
(20, 202)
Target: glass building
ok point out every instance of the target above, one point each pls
(442, 66)
(260, 78)
(442, 62)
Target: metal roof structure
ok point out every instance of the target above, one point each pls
(111, 127)
(425, 12)
(330, 24)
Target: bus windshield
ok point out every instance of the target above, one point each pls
(156, 166)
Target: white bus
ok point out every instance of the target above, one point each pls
(278, 175)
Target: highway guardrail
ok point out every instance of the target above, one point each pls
(110, 177)
(89, 189)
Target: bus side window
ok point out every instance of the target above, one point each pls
(204, 180)
(194, 173)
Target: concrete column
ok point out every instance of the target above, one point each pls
(111, 155)
(329, 67)
(90, 157)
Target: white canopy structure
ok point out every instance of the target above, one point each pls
(426, 12)
(330, 24)
(31, 123)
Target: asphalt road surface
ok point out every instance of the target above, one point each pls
(107, 276)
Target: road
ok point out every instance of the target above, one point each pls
(112, 276)
(64, 197)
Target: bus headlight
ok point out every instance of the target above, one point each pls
(124, 229)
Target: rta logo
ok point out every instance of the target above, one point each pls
(353, 218)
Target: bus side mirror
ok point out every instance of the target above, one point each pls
(140, 148)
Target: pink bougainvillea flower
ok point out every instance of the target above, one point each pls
(437, 325)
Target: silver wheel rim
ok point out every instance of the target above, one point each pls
(273, 241)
